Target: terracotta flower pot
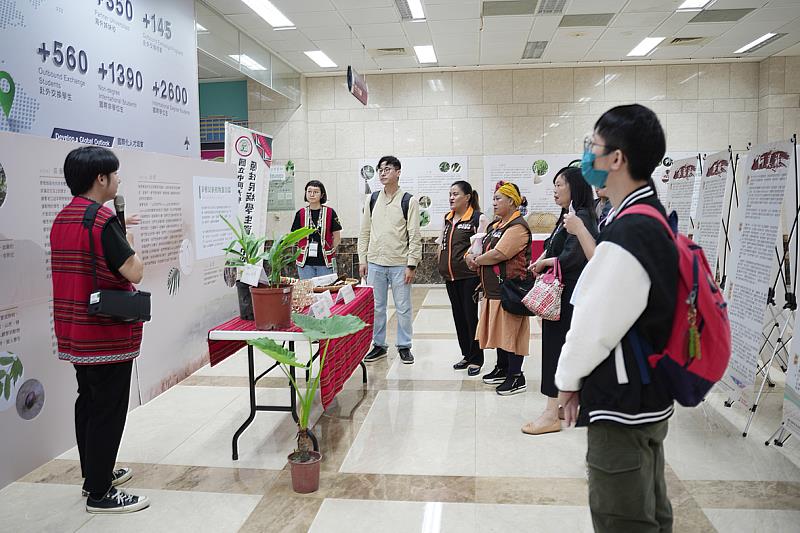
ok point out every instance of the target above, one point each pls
(305, 474)
(272, 307)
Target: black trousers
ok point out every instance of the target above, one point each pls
(554, 334)
(100, 413)
(465, 315)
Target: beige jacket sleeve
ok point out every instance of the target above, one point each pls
(414, 234)
(363, 234)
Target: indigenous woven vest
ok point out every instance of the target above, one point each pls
(513, 268)
(84, 339)
(325, 223)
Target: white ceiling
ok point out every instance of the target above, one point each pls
(349, 31)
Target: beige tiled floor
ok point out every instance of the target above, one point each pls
(419, 448)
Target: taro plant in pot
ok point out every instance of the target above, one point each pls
(304, 461)
(272, 304)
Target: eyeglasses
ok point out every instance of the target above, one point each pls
(588, 144)
(384, 170)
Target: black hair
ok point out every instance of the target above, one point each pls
(389, 160)
(635, 130)
(466, 188)
(84, 164)
(580, 192)
(315, 183)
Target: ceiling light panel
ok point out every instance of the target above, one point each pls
(694, 5)
(425, 54)
(534, 49)
(761, 42)
(550, 7)
(319, 57)
(269, 12)
(645, 47)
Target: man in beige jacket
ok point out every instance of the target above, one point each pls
(389, 250)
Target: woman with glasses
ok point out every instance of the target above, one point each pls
(574, 196)
(317, 252)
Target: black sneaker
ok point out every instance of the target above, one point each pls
(118, 477)
(512, 385)
(406, 357)
(495, 377)
(461, 365)
(116, 501)
(375, 354)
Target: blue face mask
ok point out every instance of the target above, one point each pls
(593, 176)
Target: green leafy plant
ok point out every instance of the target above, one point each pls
(9, 375)
(315, 329)
(282, 253)
(247, 249)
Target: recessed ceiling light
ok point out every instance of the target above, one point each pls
(199, 27)
(646, 46)
(425, 54)
(758, 41)
(247, 62)
(415, 6)
(319, 57)
(694, 5)
(270, 13)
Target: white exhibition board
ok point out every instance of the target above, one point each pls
(682, 176)
(710, 213)
(119, 73)
(762, 183)
(427, 178)
(533, 174)
(189, 295)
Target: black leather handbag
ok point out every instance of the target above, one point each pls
(123, 306)
(512, 291)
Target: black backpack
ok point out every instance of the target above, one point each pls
(403, 203)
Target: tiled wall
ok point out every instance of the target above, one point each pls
(703, 107)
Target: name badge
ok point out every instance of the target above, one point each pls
(313, 249)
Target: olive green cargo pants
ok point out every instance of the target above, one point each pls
(627, 490)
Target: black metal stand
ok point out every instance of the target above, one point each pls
(291, 408)
(252, 380)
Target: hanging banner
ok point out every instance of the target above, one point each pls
(682, 176)
(357, 85)
(533, 174)
(761, 195)
(708, 226)
(117, 73)
(428, 179)
(251, 152)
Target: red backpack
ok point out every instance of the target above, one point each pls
(699, 346)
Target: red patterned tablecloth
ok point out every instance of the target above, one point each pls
(344, 354)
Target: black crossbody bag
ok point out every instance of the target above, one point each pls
(123, 306)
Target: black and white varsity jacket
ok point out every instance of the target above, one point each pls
(630, 282)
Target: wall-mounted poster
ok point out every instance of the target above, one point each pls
(116, 74)
(427, 178)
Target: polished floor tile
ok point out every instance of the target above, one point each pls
(336, 515)
(436, 298)
(264, 444)
(155, 429)
(754, 520)
(430, 321)
(60, 508)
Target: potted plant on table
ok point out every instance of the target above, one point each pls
(269, 305)
(245, 249)
(304, 461)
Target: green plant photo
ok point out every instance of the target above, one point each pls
(322, 330)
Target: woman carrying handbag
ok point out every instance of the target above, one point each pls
(563, 256)
(506, 248)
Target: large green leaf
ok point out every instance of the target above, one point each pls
(276, 351)
(332, 327)
(5, 361)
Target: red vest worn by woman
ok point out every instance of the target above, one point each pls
(326, 235)
(84, 339)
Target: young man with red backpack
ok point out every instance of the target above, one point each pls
(646, 309)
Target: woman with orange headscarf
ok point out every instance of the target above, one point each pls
(506, 253)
